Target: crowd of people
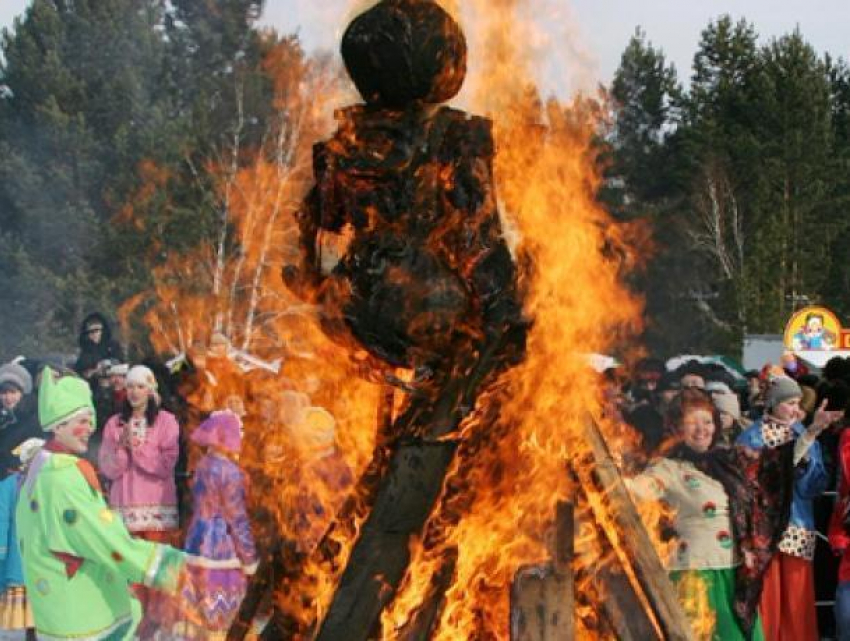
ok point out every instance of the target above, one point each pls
(94, 509)
(91, 544)
(740, 460)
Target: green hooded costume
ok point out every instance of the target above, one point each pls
(78, 557)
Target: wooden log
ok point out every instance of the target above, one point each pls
(423, 622)
(406, 494)
(643, 575)
(564, 536)
(542, 605)
(543, 595)
(621, 607)
(381, 555)
(258, 588)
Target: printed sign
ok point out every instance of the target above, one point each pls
(815, 329)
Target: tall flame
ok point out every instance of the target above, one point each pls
(496, 512)
(546, 179)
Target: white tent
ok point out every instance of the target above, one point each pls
(817, 359)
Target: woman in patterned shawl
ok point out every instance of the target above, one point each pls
(730, 505)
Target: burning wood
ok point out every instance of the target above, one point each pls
(543, 596)
(426, 285)
(641, 603)
(427, 282)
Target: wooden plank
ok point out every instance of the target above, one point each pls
(564, 536)
(406, 494)
(424, 621)
(542, 606)
(381, 556)
(643, 574)
(543, 596)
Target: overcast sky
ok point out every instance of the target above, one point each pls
(591, 34)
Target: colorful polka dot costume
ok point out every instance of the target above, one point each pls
(701, 509)
(79, 558)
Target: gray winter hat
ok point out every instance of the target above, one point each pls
(782, 389)
(16, 375)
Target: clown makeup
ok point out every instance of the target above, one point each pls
(75, 434)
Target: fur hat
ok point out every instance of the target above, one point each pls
(728, 403)
(717, 387)
(17, 376)
(61, 398)
(782, 389)
(118, 369)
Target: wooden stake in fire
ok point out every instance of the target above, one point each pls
(542, 596)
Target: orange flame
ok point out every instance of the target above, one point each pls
(257, 348)
(497, 509)
(546, 178)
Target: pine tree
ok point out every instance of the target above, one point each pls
(836, 293)
(79, 110)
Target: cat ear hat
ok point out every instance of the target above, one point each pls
(62, 398)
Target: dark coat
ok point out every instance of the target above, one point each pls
(16, 426)
(91, 354)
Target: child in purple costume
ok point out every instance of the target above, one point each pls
(219, 531)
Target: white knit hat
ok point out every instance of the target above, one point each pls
(728, 403)
(16, 375)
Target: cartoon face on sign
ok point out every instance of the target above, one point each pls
(813, 329)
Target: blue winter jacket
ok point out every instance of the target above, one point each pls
(11, 570)
(810, 477)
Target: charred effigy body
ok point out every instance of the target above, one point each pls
(426, 283)
(428, 269)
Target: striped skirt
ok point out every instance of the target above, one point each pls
(15, 613)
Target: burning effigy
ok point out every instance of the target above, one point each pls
(427, 283)
(427, 286)
(430, 455)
